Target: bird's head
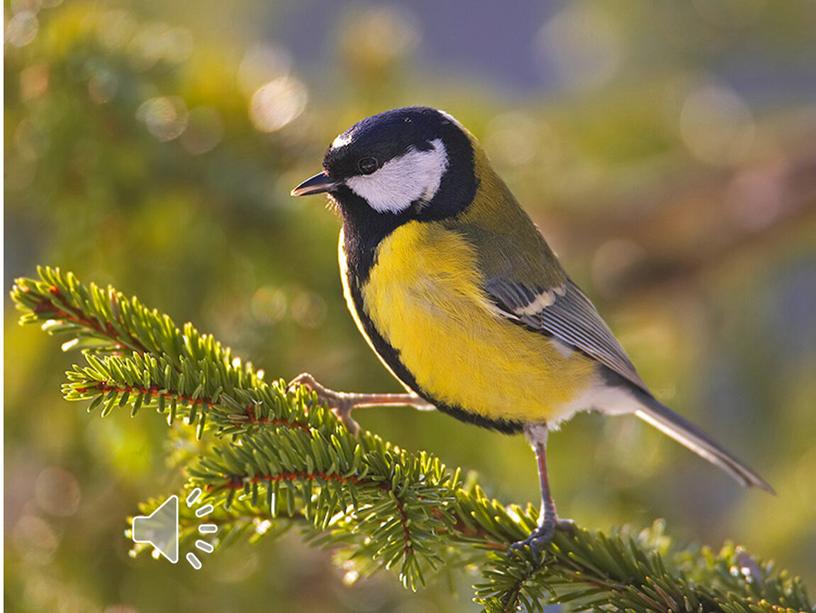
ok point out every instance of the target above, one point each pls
(408, 163)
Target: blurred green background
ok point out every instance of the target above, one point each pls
(667, 151)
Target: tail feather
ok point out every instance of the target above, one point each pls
(689, 435)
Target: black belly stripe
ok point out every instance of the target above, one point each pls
(391, 357)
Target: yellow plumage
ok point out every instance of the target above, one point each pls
(424, 296)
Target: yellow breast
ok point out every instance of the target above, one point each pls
(424, 296)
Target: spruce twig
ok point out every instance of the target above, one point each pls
(278, 459)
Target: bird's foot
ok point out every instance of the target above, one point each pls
(542, 536)
(340, 403)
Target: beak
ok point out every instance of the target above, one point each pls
(318, 184)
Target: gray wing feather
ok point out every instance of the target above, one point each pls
(570, 317)
(566, 314)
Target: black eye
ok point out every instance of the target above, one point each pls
(368, 165)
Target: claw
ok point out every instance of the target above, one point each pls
(537, 541)
(339, 403)
(303, 379)
(542, 536)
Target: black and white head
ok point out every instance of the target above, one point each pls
(408, 163)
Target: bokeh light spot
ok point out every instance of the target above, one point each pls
(513, 138)
(22, 28)
(34, 539)
(205, 129)
(165, 117)
(308, 309)
(716, 125)
(376, 38)
(34, 81)
(115, 29)
(584, 45)
(268, 305)
(277, 103)
(57, 492)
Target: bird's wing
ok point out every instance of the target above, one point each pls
(522, 277)
(565, 313)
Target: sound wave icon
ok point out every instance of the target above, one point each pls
(161, 529)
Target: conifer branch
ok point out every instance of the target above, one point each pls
(275, 459)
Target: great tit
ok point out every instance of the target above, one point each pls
(458, 293)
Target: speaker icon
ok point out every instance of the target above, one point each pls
(161, 529)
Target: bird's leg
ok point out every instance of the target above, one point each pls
(548, 520)
(343, 403)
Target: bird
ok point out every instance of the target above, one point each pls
(455, 289)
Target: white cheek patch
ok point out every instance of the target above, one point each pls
(415, 175)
